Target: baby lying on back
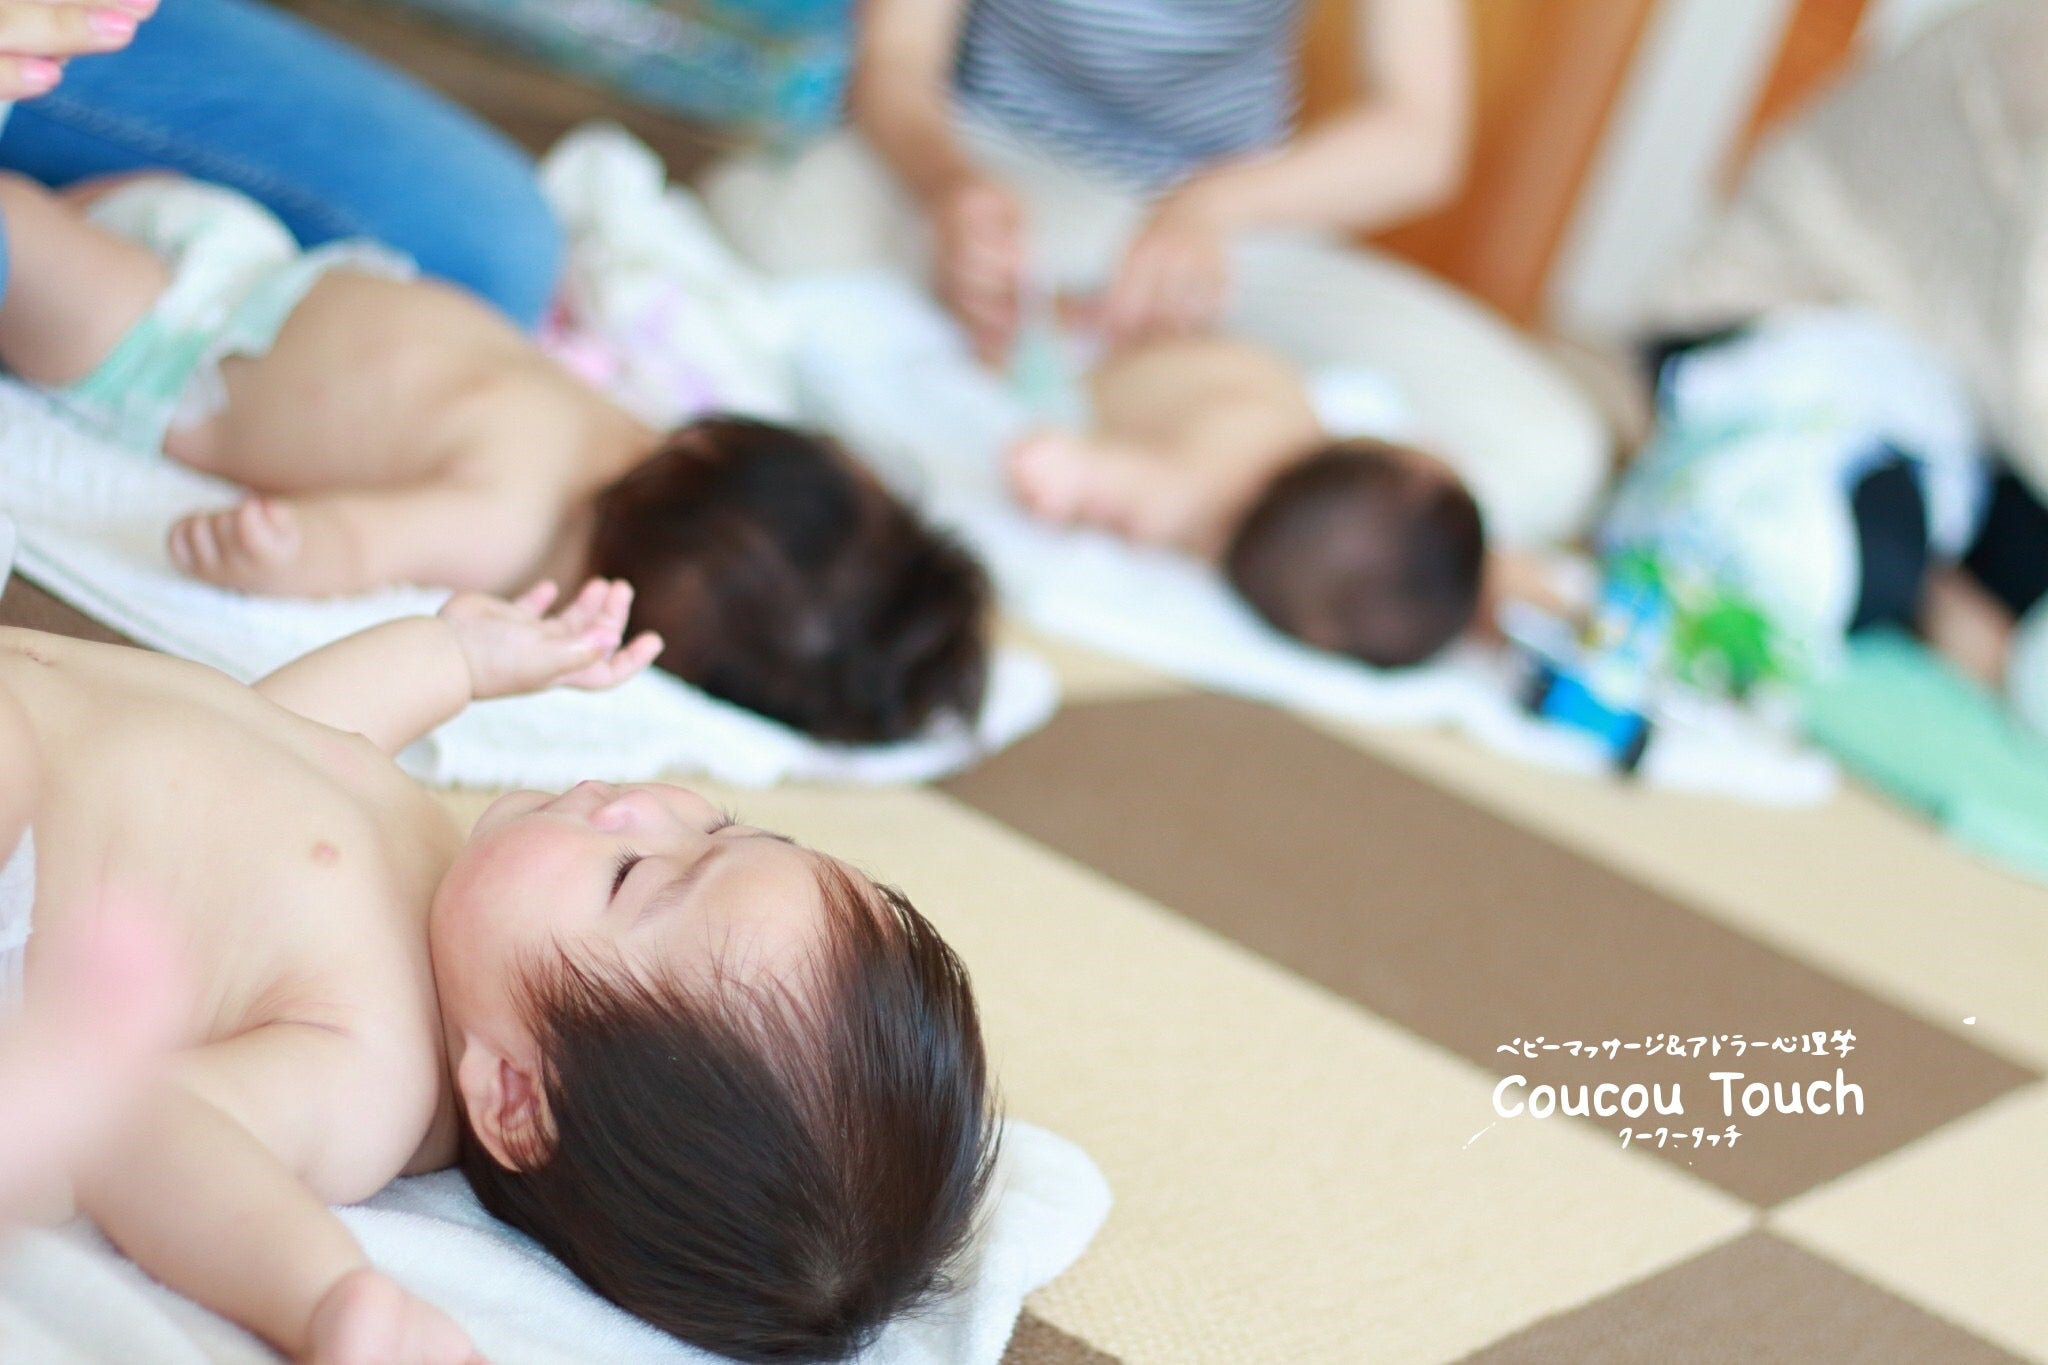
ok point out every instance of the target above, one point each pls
(394, 430)
(1212, 446)
(731, 1082)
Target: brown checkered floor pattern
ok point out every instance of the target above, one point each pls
(1261, 968)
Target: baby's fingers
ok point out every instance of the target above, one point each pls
(536, 600)
(621, 665)
(583, 612)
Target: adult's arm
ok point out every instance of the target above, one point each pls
(902, 103)
(1396, 152)
(901, 98)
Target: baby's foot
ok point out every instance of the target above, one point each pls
(1049, 472)
(249, 546)
(1082, 481)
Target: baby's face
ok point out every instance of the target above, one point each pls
(653, 877)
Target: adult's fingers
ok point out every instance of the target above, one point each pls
(35, 28)
(23, 78)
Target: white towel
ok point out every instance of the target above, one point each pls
(67, 1296)
(878, 364)
(92, 526)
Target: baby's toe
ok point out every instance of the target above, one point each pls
(1041, 472)
(193, 545)
(265, 531)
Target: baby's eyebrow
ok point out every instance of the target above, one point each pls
(679, 889)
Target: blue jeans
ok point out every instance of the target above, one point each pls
(331, 141)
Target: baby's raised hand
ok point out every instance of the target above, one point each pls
(518, 646)
(368, 1318)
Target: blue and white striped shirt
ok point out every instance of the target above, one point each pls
(1144, 91)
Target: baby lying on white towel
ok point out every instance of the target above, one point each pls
(66, 1296)
(733, 1084)
(865, 344)
(396, 431)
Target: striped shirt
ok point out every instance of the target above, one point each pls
(1144, 91)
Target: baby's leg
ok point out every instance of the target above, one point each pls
(73, 288)
(1185, 430)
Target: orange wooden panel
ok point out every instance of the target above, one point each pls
(1546, 74)
(1819, 44)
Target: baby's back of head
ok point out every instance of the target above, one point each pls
(768, 1172)
(785, 578)
(1365, 548)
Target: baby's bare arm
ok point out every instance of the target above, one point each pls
(397, 681)
(198, 1199)
(391, 683)
(73, 288)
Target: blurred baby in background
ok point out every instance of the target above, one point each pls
(1220, 449)
(397, 430)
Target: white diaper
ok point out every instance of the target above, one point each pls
(236, 275)
(17, 905)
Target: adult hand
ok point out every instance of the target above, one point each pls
(37, 36)
(978, 239)
(1175, 274)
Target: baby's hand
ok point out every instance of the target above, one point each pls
(368, 1318)
(517, 647)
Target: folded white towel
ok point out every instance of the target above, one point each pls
(67, 1296)
(878, 364)
(92, 526)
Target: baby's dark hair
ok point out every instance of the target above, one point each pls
(770, 1175)
(1363, 548)
(785, 578)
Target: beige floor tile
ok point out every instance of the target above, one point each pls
(1957, 1222)
(1857, 887)
(1294, 1177)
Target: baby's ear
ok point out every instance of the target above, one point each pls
(506, 1105)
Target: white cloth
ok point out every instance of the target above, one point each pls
(17, 918)
(2026, 669)
(92, 527)
(881, 366)
(18, 874)
(67, 1297)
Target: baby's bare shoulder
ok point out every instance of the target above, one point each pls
(344, 1107)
